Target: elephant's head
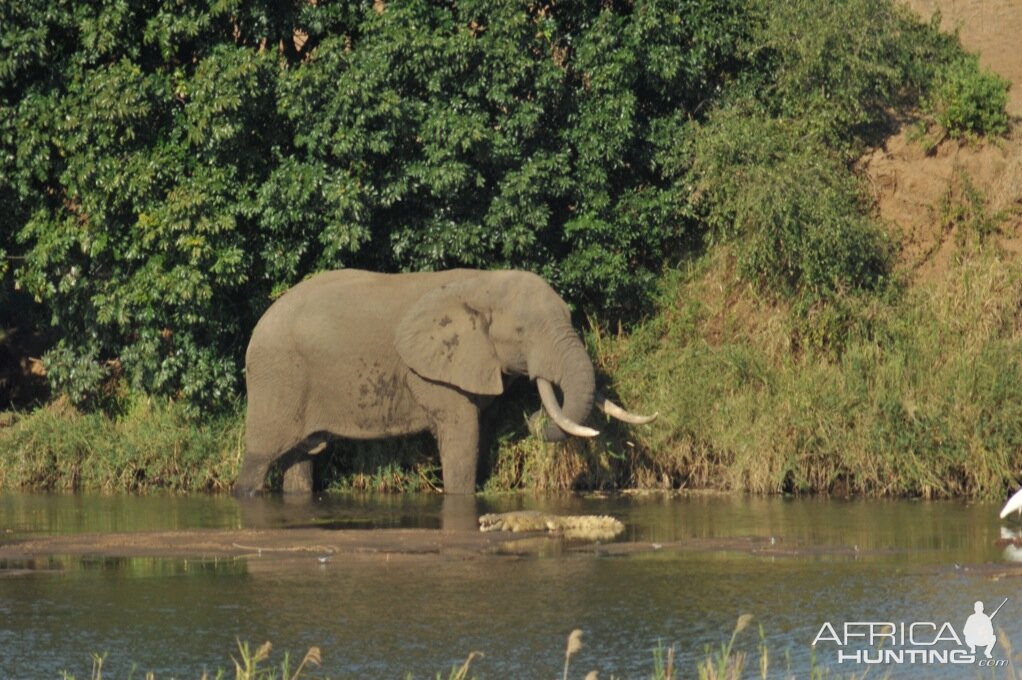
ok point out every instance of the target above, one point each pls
(469, 332)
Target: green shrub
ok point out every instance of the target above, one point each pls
(791, 206)
(968, 100)
(81, 378)
(834, 69)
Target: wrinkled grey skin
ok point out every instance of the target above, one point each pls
(362, 355)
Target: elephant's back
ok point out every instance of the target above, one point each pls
(359, 306)
(353, 284)
(358, 294)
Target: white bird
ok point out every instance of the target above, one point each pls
(1014, 503)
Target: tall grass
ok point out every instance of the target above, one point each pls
(924, 398)
(154, 444)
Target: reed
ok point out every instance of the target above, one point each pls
(247, 667)
(725, 662)
(573, 648)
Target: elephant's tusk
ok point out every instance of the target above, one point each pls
(615, 411)
(549, 399)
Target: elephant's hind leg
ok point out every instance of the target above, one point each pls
(298, 464)
(264, 445)
(297, 474)
(252, 477)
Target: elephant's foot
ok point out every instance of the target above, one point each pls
(240, 490)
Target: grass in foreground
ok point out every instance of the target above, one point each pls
(719, 664)
(722, 663)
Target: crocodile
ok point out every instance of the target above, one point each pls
(593, 527)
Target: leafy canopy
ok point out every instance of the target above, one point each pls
(167, 168)
(170, 167)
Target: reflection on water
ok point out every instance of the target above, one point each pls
(911, 531)
(908, 561)
(26, 514)
(123, 567)
(1011, 539)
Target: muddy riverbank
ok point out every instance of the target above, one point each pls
(314, 545)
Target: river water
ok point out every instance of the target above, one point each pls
(919, 565)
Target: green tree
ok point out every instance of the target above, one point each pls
(167, 168)
(134, 161)
(172, 167)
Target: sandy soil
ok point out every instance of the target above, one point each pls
(911, 186)
(990, 27)
(270, 544)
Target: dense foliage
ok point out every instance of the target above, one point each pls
(772, 162)
(167, 168)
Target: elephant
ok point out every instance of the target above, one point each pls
(364, 355)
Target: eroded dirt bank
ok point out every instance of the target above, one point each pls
(916, 189)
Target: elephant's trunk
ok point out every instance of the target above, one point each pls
(577, 380)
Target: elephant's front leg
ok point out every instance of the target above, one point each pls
(298, 477)
(454, 420)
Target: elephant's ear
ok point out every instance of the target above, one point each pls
(442, 338)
